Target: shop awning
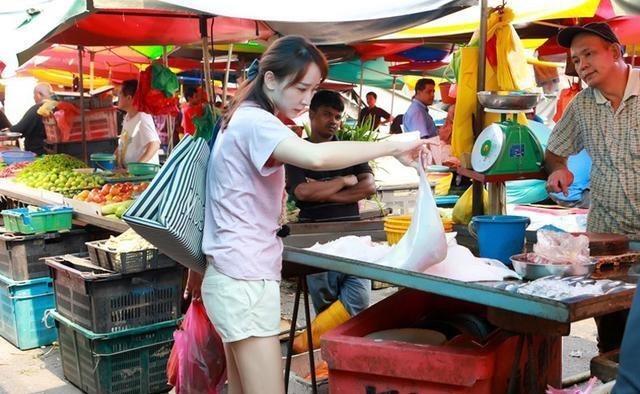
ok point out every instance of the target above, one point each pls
(332, 21)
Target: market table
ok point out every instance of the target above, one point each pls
(539, 321)
(38, 197)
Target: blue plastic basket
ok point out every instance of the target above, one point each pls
(17, 156)
(22, 308)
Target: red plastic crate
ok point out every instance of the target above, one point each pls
(99, 124)
(363, 365)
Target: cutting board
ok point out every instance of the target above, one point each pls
(603, 244)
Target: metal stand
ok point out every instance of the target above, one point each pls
(301, 288)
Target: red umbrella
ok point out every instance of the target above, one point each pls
(625, 27)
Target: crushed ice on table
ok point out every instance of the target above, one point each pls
(557, 288)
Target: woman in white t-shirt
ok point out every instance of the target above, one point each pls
(139, 141)
(244, 207)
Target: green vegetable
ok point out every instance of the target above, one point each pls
(112, 209)
(123, 208)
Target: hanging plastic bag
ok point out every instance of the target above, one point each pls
(197, 363)
(424, 244)
(564, 98)
(463, 210)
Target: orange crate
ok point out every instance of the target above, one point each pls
(99, 123)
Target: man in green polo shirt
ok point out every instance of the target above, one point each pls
(604, 119)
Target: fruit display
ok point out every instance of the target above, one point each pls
(112, 193)
(49, 163)
(115, 210)
(59, 180)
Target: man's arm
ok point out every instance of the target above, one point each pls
(385, 115)
(322, 191)
(27, 123)
(149, 151)
(365, 187)
(560, 178)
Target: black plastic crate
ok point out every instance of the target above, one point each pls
(127, 362)
(128, 262)
(103, 301)
(20, 255)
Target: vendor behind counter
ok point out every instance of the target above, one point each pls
(330, 195)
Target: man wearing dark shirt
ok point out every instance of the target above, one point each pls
(4, 122)
(31, 126)
(371, 111)
(330, 195)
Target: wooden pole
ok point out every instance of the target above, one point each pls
(170, 124)
(393, 94)
(82, 122)
(361, 83)
(206, 59)
(478, 189)
(226, 76)
(92, 61)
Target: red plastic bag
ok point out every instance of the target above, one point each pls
(564, 98)
(197, 363)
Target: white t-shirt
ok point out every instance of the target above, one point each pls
(244, 197)
(137, 132)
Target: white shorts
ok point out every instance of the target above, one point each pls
(240, 309)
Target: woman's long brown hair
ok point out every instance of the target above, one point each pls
(286, 57)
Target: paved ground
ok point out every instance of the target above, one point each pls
(40, 370)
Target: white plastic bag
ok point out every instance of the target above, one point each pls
(554, 247)
(424, 244)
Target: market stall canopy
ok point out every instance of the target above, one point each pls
(332, 21)
(467, 20)
(624, 25)
(117, 63)
(372, 73)
(628, 7)
(39, 23)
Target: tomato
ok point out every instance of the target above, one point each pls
(106, 188)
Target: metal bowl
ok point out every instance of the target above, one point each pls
(528, 270)
(508, 100)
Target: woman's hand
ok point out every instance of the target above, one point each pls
(410, 152)
(194, 284)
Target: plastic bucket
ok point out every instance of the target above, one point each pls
(103, 161)
(500, 236)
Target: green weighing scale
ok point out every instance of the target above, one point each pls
(507, 147)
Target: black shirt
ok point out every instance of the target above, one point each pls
(32, 130)
(318, 211)
(376, 112)
(4, 122)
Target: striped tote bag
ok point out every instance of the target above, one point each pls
(170, 212)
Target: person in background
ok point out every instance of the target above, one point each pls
(330, 195)
(4, 121)
(396, 125)
(191, 109)
(31, 126)
(417, 117)
(371, 111)
(245, 204)
(139, 141)
(602, 119)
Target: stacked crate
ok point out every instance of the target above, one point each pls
(116, 324)
(26, 290)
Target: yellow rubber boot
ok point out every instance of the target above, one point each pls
(330, 318)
